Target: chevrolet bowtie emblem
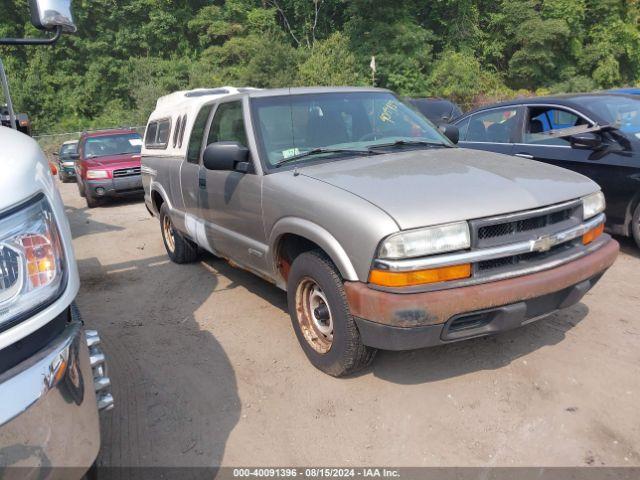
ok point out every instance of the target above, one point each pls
(544, 244)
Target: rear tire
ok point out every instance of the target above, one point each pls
(321, 318)
(180, 249)
(635, 225)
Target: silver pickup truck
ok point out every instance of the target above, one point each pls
(383, 233)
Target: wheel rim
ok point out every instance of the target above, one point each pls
(167, 232)
(314, 315)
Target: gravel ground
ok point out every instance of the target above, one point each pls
(206, 370)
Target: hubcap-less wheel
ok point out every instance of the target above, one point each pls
(167, 231)
(314, 315)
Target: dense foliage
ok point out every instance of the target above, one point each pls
(128, 52)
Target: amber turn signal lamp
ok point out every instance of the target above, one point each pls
(385, 278)
(53, 168)
(592, 234)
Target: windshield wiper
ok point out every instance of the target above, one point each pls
(320, 151)
(404, 143)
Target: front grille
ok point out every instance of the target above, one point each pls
(126, 172)
(9, 272)
(525, 226)
(498, 265)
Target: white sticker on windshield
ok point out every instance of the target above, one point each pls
(135, 142)
(290, 153)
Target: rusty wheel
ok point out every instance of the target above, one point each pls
(168, 234)
(320, 316)
(314, 315)
(179, 248)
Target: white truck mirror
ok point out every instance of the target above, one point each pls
(50, 14)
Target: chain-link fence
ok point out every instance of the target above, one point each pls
(51, 142)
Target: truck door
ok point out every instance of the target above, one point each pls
(230, 201)
(191, 165)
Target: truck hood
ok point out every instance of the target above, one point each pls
(114, 162)
(429, 187)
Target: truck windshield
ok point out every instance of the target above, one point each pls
(329, 125)
(622, 112)
(107, 145)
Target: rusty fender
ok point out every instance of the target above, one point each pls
(436, 307)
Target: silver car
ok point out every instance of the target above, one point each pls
(383, 233)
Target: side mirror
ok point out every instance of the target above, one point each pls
(226, 156)
(56, 153)
(586, 141)
(51, 14)
(450, 131)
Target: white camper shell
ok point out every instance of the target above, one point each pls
(169, 125)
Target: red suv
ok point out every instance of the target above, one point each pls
(109, 165)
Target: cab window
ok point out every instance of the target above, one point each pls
(542, 120)
(197, 134)
(493, 126)
(228, 124)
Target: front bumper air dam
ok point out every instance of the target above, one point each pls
(454, 314)
(115, 188)
(48, 410)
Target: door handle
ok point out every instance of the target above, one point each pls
(524, 155)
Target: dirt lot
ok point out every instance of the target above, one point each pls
(206, 371)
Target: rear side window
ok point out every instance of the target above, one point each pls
(494, 126)
(158, 134)
(197, 134)
(150, 137)
(463, 127)
(176, 132)
(184, 124)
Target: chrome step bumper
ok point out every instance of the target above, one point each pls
(101, 380)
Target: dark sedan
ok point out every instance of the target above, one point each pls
(438, 110)
(597, 135)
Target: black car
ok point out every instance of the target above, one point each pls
(438, 110)
(597, 135)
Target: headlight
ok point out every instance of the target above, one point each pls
(426, 241)
(593, 205)
(97, 174)
(31, 259)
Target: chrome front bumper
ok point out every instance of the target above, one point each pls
(48, 409)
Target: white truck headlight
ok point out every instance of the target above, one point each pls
(97, 174)
(426, 241)
(593, 205)
(31, 259)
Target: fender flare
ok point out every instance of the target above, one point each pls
(316, 234)
(158, 188)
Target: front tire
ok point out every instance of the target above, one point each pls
(635, 225)
(321, 318)
(91, 201)
(179, 248)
